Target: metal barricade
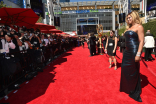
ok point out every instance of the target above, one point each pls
(15, 66)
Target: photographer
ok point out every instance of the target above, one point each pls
(2, 41)
(9, 45)
(35, 40)
(6, 42)
(63, 44)
(16, 41)
(25, 42)
(44, 41)
(55, 46)
(44, 46)
(9, 60)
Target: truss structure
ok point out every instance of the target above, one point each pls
(124, 6)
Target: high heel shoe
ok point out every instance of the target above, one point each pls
(115, 67)
(110, 65)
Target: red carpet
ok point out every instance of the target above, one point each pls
(75, 78)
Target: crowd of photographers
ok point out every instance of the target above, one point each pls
(28, 50)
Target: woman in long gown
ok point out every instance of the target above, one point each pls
(130, 82)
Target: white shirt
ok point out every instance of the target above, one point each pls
(9, 45)
(3, 43)
(25, 45)
(51, 39)
(63, 40)
(46, 42)
(149, 42)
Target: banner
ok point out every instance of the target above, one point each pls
(129, 6)
(83, 11)
(57, 21)
(24, 4)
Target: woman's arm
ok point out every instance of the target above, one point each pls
(141, 42)
(115, 44)
(141, 38)
(18, 41)
(106, 44)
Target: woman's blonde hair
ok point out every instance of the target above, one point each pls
(135, 18)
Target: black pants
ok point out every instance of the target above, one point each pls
(148, 52)
(122, 49)
(92, 50)
(88, 45)
(104, 44)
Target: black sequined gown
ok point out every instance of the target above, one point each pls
(130, 70)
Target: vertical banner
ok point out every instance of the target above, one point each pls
(57, 21)
(129, 6)
(143, 6)
(24, 4)
(121, 18)
(140, 5)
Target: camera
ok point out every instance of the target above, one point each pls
(25, 34)
(43, 42)
(25, 38)
(9, 34)
(18, 34)
(36, 34)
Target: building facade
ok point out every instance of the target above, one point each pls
(64, 0)
(72, 20)
(107, 12)
(14, 3)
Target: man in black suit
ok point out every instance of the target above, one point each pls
(92, 44)
(122, 43)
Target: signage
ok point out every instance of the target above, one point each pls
(129, 6)
(47, 13)
(93, 10)
(83, 11)
(57, 12)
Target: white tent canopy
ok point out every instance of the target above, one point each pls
(70, 33)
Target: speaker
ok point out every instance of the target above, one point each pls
(57, 21)
(123, 16)
(120, 18)
(43, 10)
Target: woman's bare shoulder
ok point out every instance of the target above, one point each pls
(139, 26)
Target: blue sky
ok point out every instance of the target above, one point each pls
(81, 0)
(89, 0)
